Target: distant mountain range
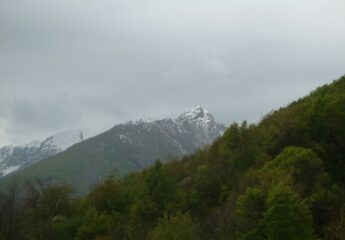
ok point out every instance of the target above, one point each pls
(125, 148)
(13, 158)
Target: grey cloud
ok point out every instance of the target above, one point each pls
(44, 114)
(35, 118)
(97, 63)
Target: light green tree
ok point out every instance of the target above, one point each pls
(176, 227)
(287, 216)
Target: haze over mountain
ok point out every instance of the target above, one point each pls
(125, 148)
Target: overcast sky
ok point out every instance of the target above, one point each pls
(95, 63)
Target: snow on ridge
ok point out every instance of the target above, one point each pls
(13, 158)
(9, 169)
(145, 120)
(197, 113)
(124, 138)
(5, 151)
(33, 144)
(64, 139)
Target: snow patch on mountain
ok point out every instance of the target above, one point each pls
(197, 113)
(33, 144)
(191, 130)
(9, 169)
(5, 151)
(124, 138)
(64, 139)
(13, 158)
(145, 120)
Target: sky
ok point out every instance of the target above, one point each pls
(95, 63)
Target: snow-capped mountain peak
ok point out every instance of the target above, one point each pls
(202, 123)
(197, 113)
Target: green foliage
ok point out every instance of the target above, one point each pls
(154, 196)
(240, 146)
(303, 165)
(176, 227)
(287, 216)
(281, 179)
(109, 196)
(142, 217)
(158, 187)
(250, 208)
(46, 212)
(94, 224)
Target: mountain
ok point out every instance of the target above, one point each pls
(127, 147)
(282, 178)
(14, 158)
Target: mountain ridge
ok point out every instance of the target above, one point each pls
(14, 158)
(128, 147)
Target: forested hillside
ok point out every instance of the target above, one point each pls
(281, 179)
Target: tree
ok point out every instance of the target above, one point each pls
(240, 146)
(176, 227)
(9, 213)
(287, 216)
(94, 224)
(157, 191)
(303, 165)
(158, 186)
(249, 211)
(109, 196)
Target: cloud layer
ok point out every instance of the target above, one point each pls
(67, 64)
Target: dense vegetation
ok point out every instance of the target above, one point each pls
(281, 179)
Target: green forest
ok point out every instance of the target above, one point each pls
(280, 179)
